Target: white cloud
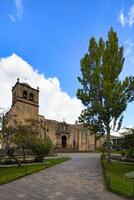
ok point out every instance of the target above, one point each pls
(122, 19)
(128, 47)
(129, 50)
(12, 18)
(54, 103)
(131, 16)
(127, 18)
(18, 11)
(19, 8)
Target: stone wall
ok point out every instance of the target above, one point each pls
(63, 135)
(77, 136)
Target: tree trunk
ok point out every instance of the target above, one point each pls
(108, 144)
(13, 156)
(10, 152)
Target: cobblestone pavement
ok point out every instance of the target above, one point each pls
(77, 179)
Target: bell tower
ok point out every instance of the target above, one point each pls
(25, 102)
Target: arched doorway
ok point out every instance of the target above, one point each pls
(64, 141)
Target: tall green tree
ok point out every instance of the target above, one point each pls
(103, 94)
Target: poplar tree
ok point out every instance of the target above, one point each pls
(103, 94)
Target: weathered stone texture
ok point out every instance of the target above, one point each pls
(25, 105)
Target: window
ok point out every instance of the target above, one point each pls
(31, 96)
(25, 94)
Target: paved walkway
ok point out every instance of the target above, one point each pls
(77, 179)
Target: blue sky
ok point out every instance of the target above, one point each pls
(53, 36)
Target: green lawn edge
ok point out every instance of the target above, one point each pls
(115, 182)
(9, 174)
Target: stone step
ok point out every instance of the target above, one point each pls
(66, 150)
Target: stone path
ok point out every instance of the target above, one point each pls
(77, 179)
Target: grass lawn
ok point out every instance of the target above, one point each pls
(8, 174)
(118, 183)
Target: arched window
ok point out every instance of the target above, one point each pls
(25, 94)
(31, 96)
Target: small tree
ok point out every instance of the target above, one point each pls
(103, 94)
(19, 137)
(10, 148)
(41, 148)
(22, 137)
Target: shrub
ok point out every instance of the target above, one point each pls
(130, 153)
(41, 148)
(123, 153)
(101, 149)
(103, 156)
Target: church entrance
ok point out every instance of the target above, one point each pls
(64, 141)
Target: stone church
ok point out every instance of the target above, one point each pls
(25, 105)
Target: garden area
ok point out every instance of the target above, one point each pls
(25, 153)
(119, 172)
(119, 177)
(8, 174)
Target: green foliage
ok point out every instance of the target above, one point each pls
(104, 96)
(117, 147)
(41, 148)
(8, 174)
(118, 183)
(24, 137)
(130, 152)
(100, 149)
(123, 153)
(129, 138)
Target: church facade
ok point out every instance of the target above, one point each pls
(25, 105)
